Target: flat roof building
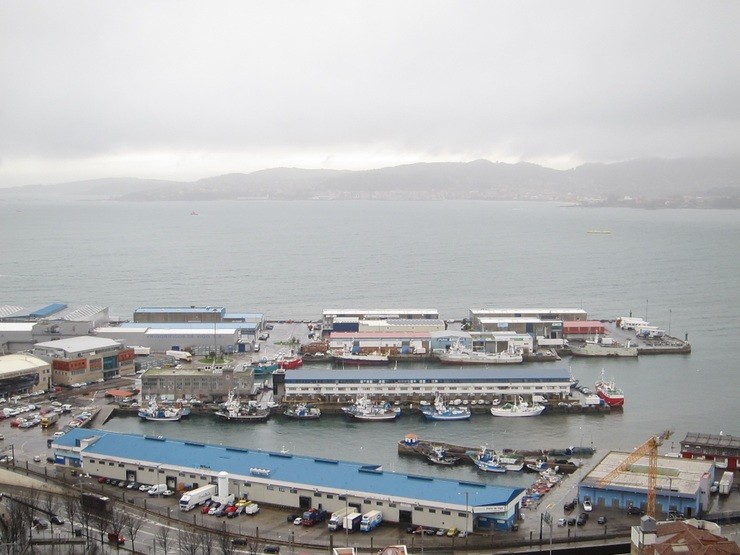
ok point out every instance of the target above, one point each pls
(23, 373)
(682, 485)
(288, 480)
(86, 358)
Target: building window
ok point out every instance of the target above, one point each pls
(420, 509)
(379, 503)
(432, 511)
(317, 494)
(447, 513)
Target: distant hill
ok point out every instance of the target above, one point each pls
(647, 182)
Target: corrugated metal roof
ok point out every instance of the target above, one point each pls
(81, 313)
(81, 343)
(379, 311)
(528, 310)
(6, 311)
(47, 310)
(325, 474)
(712, 440)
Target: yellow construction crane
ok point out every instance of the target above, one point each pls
(649, 449)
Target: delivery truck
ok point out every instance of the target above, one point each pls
(725, 483)
(370, 521)
(337, 518)
(352, 522)
(180, 355)
(194, 498)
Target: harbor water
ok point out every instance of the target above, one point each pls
(290, 260)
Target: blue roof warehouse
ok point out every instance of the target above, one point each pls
(292, 481)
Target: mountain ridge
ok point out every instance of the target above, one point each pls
(649, 181)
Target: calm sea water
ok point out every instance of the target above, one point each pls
(293, 259)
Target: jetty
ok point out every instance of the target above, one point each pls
(556, 459)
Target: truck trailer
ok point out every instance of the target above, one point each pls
(725, 483)
(370, 520)
(337, 518)
(196, 497)
(352, 522)
(180, 355)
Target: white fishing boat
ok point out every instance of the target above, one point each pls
(157, 413)
(488, 461)
(457, 354)
(366, 410)
(441, 411)
(603, 347)
(517, 408)
(303, 412)
(236, 411)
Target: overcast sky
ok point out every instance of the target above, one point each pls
(184, 90)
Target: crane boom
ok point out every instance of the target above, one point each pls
(649, 449)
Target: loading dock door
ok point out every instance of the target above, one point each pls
(304, 502)
(404, 517)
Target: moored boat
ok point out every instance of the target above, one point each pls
(441, 411)
(518, 408)
(457, 354)
(488, 461)
(603, 347)
(236, 411)
(303, 412)
(289, 362)
(367, 410)
(609, 392)
(264, 366)
(157, 413)
(359, 359)
(438, 455)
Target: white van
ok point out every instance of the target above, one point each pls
(158, 489)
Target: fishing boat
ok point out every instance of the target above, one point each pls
(518, 408)
(511, 462)
(603, 347)
(236, 411)
(157, 413)
(457, 354)
(289, 362)
(441, 411)
(537, 466)
(264, 366)
(438, 455)
(609, 392)
(366, 410)
(488, 461)
(349, 358)
(303, 412)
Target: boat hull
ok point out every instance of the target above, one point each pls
(361, 360)
(517, 412)
(242, 418)
(446, 417)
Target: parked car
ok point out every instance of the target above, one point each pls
(168, 493)
(271, 549)
(55, 519)
(292, 517)
(587, 505)
(240, 541)
(441, 532)
(40, 522)
(144, 487)
(570, 505)
(601, 520)
(571, 522)
(37, 458)
(452, 532)
(297, 521)
(562, 522)
(462, 534)
(634, 510)
(582, 519)
(116, 538)
(102, 480)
